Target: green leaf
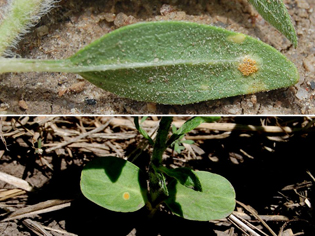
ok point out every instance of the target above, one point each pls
(216, 201)
(181, 63)
(177, 147)
(275, 12)
(189, 125)
(158, 187)
(162, 182)
(142, 131)
(114, 183)
(173, 62)
(187, 141)
(184, 176)
(194, 122)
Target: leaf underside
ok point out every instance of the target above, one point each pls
(216, 201)
(180, 63)
(114, 183)
(275, 12)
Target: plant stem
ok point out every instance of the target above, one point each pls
(29, 65)
(157, 184)
(20, 15)
(160, 144)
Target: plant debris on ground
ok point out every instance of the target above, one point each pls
(268, 160)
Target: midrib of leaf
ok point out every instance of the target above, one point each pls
(29, 65)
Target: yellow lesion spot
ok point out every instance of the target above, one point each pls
(126, 196)
(248, 66)
(237, 38)
(204, 87)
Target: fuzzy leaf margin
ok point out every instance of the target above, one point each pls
(275, 12)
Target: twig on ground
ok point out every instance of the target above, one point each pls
(310, 174)
(98, 129)
(10, 193)
(210, 136)
(59, 231)
(114, 148)
(35, 227)
(288, 222)
(17, 182)
(39, 208)
(250, 209)
(215, 126)
(242, 226)
(1, 136)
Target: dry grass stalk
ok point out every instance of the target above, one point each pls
(244, 227)
(39, 208)
(253, 212)
(79, 137)
(10, 193)
(35, 227)
(17, 182)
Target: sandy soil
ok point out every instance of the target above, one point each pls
(74, 24)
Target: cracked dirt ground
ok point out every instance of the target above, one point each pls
(74, 24)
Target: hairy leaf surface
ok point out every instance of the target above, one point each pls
(174, 63)
(275, 12)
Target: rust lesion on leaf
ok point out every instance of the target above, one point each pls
(248, 66)
(126, 196)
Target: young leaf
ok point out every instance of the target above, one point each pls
(184, 176)
(194, 122)
(216, 201)
(158, 187)
(177, 147)
(114, 183)
(142, 131)
(173, 62)
(275, 12)
(189, 125)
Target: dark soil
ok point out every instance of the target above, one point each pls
(271, 172)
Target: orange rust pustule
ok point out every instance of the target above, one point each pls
(248, 66)
(126, 196)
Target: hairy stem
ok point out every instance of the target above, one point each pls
(36, 65)
(20, 15)
(161, 140)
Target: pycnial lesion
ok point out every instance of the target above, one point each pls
(248, 66)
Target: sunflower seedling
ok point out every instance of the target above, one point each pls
(119, 185)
